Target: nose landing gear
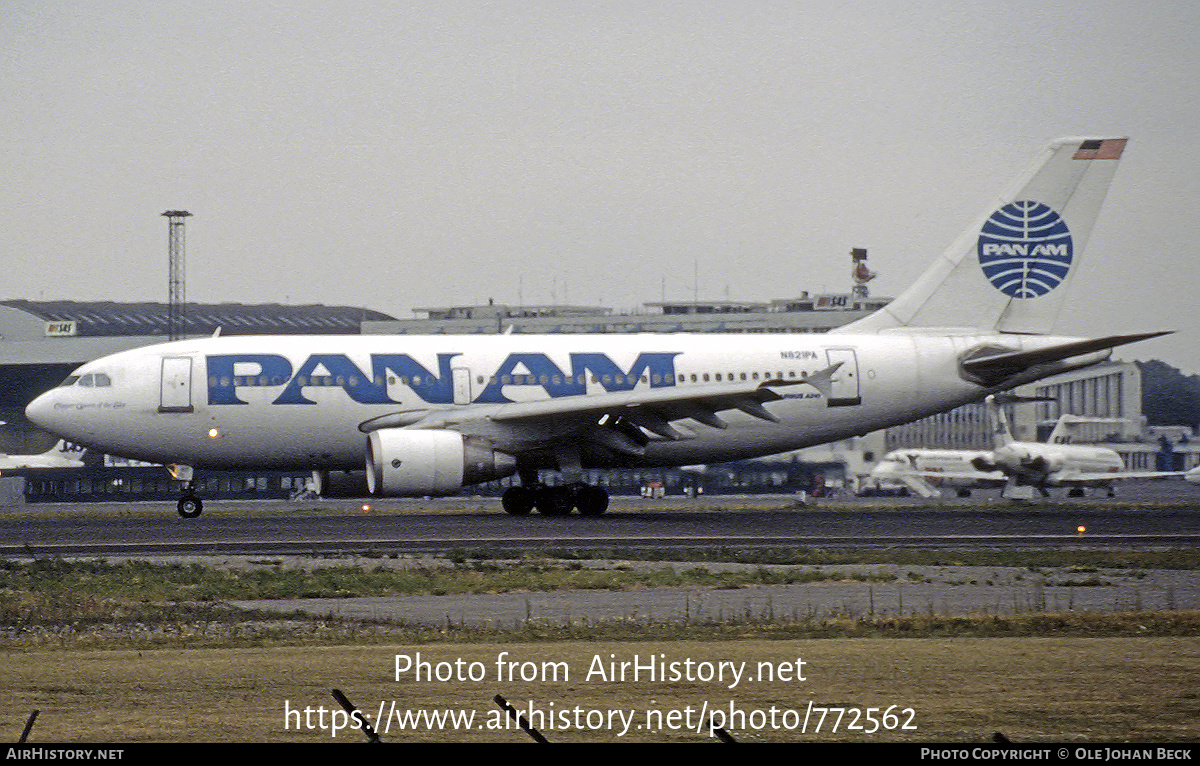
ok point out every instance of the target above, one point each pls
(189, 506)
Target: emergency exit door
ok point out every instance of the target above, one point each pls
(176, 390)
(462, 385)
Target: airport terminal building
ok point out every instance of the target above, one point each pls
(804, 314)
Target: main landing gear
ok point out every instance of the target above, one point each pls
(555, 501)
(559, 500)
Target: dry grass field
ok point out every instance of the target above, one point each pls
(134, 652)
(958, 690)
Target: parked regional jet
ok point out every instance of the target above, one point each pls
(429, 415)
(1011, 464)
(924, 471)
(61, 455)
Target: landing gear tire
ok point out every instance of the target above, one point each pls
(554, 501)
(591, 501)
(189, 506)
(518, 501)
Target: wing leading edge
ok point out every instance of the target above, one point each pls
(653, 410)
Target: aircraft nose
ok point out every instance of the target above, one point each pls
(40, 412)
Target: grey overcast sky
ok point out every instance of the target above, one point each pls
(407, 154)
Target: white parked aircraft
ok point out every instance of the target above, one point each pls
(61, 455)
(1011, 464)
(429, 415)
(924, 471)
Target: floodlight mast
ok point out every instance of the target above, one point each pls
(176, 278)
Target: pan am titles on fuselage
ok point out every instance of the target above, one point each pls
(430, 415)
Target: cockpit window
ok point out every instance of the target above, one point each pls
(90, 380)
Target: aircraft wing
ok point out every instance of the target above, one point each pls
(625, 412)
(1081, 477)
(957, 478)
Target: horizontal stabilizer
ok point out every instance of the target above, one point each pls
(995, 369)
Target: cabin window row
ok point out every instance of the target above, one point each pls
(338, 381)
(505, 380)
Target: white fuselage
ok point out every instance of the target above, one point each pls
(298, 401)
(1057, 465)
(951, 468)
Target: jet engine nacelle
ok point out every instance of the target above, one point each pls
(425, 462)
(985, 465)
(1027, 462)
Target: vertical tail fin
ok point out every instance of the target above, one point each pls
(1064, 430)
(1001, 432)
(1010, 270)
(65, 450)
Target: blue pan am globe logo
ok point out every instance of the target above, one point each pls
(1025, 249)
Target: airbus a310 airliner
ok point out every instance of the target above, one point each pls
(430, 415)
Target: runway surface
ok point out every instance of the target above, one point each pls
(354, 526)
(406, 532)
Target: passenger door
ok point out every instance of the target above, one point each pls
(176, 388)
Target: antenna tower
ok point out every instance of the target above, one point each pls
(176, 279)
(859, 272)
